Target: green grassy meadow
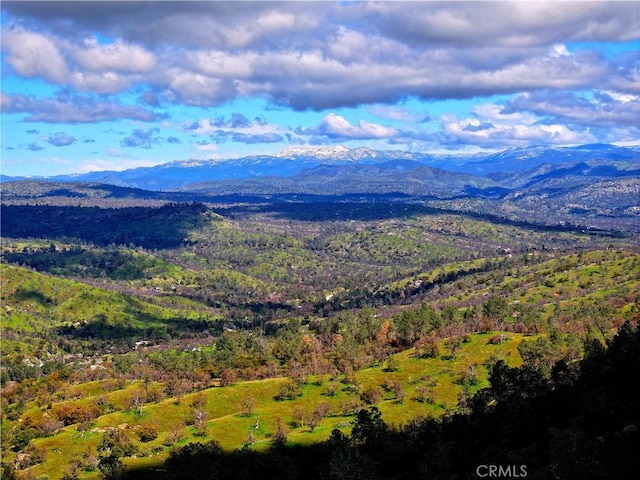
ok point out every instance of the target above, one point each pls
(229, 423)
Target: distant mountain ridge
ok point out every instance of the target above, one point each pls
(290, 162)
(596, 192)
(408, 177)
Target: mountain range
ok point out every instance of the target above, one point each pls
(290, 162)
(592, 185)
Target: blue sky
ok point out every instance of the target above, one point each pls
(115, 85)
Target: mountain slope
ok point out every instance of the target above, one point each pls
(178, 174)
(524, 158)
(396, 176)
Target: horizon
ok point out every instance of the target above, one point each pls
(104, 86)
(293, 149)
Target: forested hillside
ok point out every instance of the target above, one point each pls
(131, 332)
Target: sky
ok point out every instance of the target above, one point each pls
(90, 85)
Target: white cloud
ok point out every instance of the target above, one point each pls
(464, 52)
(34, 55)
(337, 126)
(104, 83)
(323, 56)
(117, 56)
(559, 50)
(73, 109)
(218, 63)
(237, 123)
(599, 109)
(197, 89)
(515, 24)
(491, 127)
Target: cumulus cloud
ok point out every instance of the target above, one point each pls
(108, 82)
(61, 139)
(599, 109)
(251, 139)
(310, 56)
(337, 127)
(72, 109)
(625, 73)
(324, 56)
(34, 147)
(238, 128)
(88, 67)
(206, 147)
(33, 54)
(493, 126)
(516, 24)
(141, 138)
(115, 57)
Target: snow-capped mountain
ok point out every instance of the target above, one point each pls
(292, 161)
(337, 151)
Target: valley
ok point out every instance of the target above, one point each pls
(258, 321)
(361, 240)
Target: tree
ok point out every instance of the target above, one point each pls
(200, 418)
(279, 436)
(72, 472)
(227, 377)
(392, 364)
(136, 400)
(409, 326)
(427, 347)
(226, 350)
(372, 395)
(289, 390)
(111, 468)
(368, 427)
(70, 414)
(197, 460)
(114, 444)
(298, 417)
(318, 414)
(425, 394)
(148, 432)
(495, 308)
(398, 391)
(539, 353)
(247, 406)
(199, 401)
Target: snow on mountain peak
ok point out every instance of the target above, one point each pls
(317, 152)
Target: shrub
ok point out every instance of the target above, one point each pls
(427, 347)
(289, 390)
(147, 432)
(392, 364)
(227, 377)
(497, 339)
(70, 414)
(425, 394)
(371, 395)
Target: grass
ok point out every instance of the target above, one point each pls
(230, 425)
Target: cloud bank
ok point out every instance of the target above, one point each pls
(378, 72)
